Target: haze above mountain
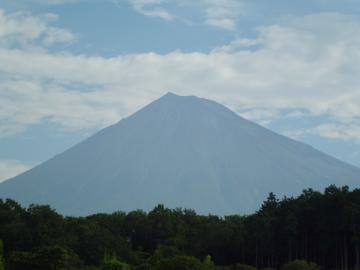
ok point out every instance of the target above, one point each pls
(181, 151)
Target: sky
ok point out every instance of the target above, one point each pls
(69, 68)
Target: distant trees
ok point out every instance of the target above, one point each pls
(112, 263)
(300, 265)
(179, 263)
(45, 258)
(244, 267)
(2, 262)
(323, 228)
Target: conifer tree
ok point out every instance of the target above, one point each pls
(2, 263)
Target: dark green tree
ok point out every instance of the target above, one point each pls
(319, 227)
(300, 265)
(2, 262)
(45, 258)
(180, 263)
(113, 263)
(244, 267)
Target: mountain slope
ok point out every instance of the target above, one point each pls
(180, 151)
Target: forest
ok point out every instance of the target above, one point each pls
(315, 230)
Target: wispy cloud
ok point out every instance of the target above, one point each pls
(11, 168)
(150, 8)
(22, 29)
(49, 2)
(222, 13)
(334, 131)
(306, 64)
(217, 13)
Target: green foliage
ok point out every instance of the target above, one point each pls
(317, 225)
(208, 263)
(164, 251)
(137, 258)
(300, 265)
(56, 257)
(112, 263)
(46, 258)
(143, 266)
(179, 263)
(244, 267)
(23, 260)
(2, 262)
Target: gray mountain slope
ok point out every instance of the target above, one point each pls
(181, 151)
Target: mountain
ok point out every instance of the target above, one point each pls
(181, 151)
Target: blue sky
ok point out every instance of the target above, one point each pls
(71, 67)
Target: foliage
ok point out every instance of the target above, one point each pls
(45, 258)
(244, 267)
(320, 227)
(300, 265)
(112, 263)
(179, 263)
(2, 263)
(208, 263)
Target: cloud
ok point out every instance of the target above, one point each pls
(23, 30)
(26, 102)
(55, 2)
(11, 168)
(334, 131)
(217, 13)
(223, 13)
(262, 116)
(239, 44)
(46, 2)
(305, 64)
(150, 8)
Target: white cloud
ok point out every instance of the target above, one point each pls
(25, 102)
(223, 13)
(305, 65)
(260, 115)
(158, 12)
(217, 13)
(11, 168)
(55, 2)
(239, 44)
(45, 2)
(22, 29)
(335, 131)
(150, 8)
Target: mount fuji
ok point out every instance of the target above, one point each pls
(181, 151)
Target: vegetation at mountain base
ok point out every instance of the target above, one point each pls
(2, 266)
(300, 265)
(312, 231)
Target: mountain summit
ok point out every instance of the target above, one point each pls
(181, 151)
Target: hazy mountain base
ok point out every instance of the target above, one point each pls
(181, 152)
(319, 227)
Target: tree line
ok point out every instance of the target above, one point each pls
(311, 231)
